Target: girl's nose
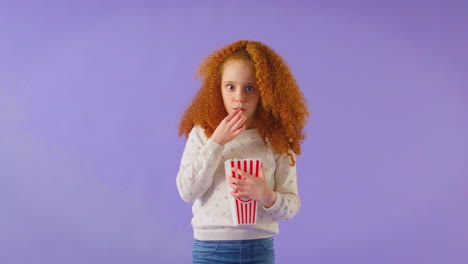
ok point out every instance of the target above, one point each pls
(240, 96)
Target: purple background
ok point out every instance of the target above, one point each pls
(91, 93)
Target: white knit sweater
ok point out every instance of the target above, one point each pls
(201, 179)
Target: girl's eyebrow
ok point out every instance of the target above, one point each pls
(238, 83)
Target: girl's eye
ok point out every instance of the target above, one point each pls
(230, 87)
(249, 89)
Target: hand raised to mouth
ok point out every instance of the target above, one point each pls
(229, 128)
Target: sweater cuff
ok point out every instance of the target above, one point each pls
(214, 146)
(274, 208)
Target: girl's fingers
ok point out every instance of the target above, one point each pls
(240, 194)
(232, 183)
(238, 172)
(232, 115)
(238, 183)
(243, 174)
(261, 174)
(233, 180)
(238, 131)
(236, 118)
(234, 186)
(238, 123)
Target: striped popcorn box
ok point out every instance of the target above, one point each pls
(243, 210)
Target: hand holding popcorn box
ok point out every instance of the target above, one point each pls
(243, 210)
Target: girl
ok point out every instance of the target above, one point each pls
(249, 106)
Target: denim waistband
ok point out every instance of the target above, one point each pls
(235, 241)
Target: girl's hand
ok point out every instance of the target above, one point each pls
(231, 126)
(252, 187)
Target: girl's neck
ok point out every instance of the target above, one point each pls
(249, 124)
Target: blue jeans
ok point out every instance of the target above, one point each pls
(258, 251)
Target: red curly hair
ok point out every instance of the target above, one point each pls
(281, 112)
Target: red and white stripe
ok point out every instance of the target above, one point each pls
(246, 209)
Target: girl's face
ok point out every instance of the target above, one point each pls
(239, 89)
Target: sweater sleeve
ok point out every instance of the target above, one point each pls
(287, 202)
(199, 162)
